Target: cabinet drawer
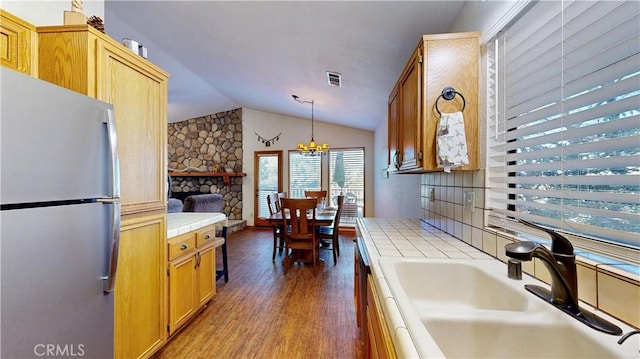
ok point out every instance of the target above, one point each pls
(205, 236)
(181, 245)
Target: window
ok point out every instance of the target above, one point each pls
(304, 174)
(563, 122)
(346, 176)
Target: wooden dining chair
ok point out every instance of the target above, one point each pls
(318, 195)
(331, 233)
(278, 196)
(278, 235)
(298, 220)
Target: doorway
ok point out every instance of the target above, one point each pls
(267, 180)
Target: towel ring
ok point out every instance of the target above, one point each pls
(448, 93)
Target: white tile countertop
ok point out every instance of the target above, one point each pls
(184, 222)
(414, 239)
(398, 237)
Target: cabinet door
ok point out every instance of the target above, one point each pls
(381, 344)
(410, 114)
(140, 327)
(182, 289)
(452, 62)
(206, 275)
(394, 159)
(139, 97)
(372, 345)
(18, 44)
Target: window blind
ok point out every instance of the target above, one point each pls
(563, 120)
(346, 176)
(304, 174)
(268, 179)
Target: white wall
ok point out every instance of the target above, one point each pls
(293, 131)
(50, 12)
(399, 195)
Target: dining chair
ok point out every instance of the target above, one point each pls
(278, 196)
(278, 236)
(298, 220)
(318, 195)
(350, 205)
(331, 233)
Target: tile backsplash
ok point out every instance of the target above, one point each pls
(603, 286)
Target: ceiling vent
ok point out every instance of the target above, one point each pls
(334, 79)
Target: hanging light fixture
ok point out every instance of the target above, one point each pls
(312, 148)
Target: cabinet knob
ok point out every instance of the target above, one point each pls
(207, 236)
(184, 246)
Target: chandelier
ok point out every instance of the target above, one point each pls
(312, 148)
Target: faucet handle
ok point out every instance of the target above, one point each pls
(559, 244)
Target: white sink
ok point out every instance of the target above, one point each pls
(460, 284)
(470, 309)
(491, 338)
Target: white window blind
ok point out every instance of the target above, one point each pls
(346, 176)
(304, 174)
(563, 120)
(268, 180)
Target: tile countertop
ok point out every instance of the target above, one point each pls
(397, 237)
(412, 238)
(180, 223)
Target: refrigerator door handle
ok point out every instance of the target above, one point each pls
(113, 152)
(109, 281)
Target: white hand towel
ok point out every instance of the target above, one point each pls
(451, 141)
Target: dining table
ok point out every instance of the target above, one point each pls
(324, 217)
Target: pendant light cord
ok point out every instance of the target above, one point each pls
(312, 120)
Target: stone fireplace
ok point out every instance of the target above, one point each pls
(203, 146)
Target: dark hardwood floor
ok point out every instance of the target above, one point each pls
(262, 313)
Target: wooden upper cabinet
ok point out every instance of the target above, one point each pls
(85, 60)
(439, 61)
(18, 44)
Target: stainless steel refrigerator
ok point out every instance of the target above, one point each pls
(59, 221)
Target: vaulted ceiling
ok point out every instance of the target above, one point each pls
(222, 55)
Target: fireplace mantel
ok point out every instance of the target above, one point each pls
(226, 176)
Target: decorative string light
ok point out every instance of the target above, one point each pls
(268, 142)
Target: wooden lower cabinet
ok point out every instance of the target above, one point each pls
(380, 342)
(140, 300)
(191, 271)
(182, 289)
